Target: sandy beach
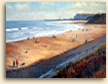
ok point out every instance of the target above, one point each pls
(49, 47)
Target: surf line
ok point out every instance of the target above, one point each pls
(16, 29)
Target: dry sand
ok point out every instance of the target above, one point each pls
(55, 46)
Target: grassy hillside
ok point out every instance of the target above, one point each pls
(92, 65)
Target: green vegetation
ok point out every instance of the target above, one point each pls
(85, 66)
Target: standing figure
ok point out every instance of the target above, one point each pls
(16, 63)
(72, 40)
(86, 29)
(76, 36)
(85, 41)
(54, 36)
(36, 41)
(45, 45)
(13, 63)
(26, 51)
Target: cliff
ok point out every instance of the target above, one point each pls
(83, 16)
(98, 19)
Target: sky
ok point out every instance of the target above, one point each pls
(50, 10)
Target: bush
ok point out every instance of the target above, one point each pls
(89, 64)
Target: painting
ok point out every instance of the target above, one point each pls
(56, 40)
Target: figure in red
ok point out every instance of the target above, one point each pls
(16, 63)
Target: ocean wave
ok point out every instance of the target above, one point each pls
(48, 33)
(7, 41)
(16, 29)
(23, 28)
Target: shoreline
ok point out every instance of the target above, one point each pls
(55, 46)
(77, 22)
(21, 39)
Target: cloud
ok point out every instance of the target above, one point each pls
(91, 7)
(51, 10)
(79, 4)
(9, 8)
(22, 6)
(46, 4)
(86, 7)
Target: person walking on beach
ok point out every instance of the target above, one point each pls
(28, 38)
(13, 63)
(85, 41)
(45, 45)
(26, 50)
(54, 36)
(33, 37)
(16, 63)
(76, 36)
(36, 41)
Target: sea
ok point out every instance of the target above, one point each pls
(19, 30)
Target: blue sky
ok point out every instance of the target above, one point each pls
(50, 10)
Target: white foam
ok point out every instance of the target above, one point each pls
(49, 33)
(8, 29)
(37, 28)
(24, 28)
(7, 41)
(16, 29)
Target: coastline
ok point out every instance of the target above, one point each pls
(41, 33)
(55, 46)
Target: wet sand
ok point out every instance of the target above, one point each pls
(55, 46)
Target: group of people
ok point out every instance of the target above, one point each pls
(15, 63)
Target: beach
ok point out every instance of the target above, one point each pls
(49, 47)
